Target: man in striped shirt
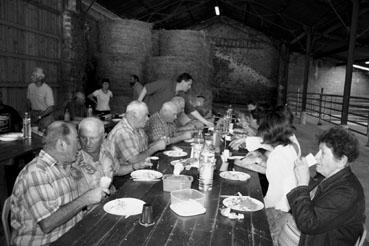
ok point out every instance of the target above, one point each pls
(45, 202)
(129, 142)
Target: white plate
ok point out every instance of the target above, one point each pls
(146, 175)
(188, 208)
(174, 153)
(116, 120)
(243, 203)
(189, 140)
(11, 136)
(124, 206)
(234, 175)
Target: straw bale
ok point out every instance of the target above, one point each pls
(118, 69)
(127, 37)
(119, 103)
(184, 43)
(155, 42)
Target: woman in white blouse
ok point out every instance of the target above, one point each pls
(102, 98)
(278, 132)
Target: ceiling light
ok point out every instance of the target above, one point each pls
(361, 67)
(217, 11)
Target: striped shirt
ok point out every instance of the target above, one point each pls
(127, 142)
(91, 170)
(159, 128)
(41, 188)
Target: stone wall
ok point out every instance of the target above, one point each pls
(245, 62)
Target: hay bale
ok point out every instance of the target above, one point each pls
(127, 37)
(118, 69)
(185, 43)
(119, 103)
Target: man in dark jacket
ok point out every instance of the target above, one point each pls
(332, 212)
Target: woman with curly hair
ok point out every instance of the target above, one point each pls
(329, 210)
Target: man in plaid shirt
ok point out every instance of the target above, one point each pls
(129, 142)
(161, 124)
(45, 202)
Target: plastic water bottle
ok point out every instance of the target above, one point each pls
(89, 111)
(66, 115)
(206, 166)
(27, 130)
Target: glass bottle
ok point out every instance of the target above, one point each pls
(66, 115)
(206, 166)
(27, 129)
(89, 111)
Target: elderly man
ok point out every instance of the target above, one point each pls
(158, 92)
(45, 202)
(128, 140)
(183, 122)
(94, 160)
(40, 99)
(161, 124)
(77, 107)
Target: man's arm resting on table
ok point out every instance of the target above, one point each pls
(64, 213)
(144, 154)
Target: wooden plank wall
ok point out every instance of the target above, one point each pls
(30, 36)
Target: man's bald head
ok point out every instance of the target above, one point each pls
(168, 111)
(92, 124)
(179, 102)
(137, 114)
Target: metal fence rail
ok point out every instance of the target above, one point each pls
(328, 107)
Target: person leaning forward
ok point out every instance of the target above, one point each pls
(129, 142)
(160, 91)
(45, 202)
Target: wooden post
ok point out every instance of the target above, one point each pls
(298, 101)
(306, 76)
(320, 106)
(350, 58)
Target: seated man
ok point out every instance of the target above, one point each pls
(45, 202)
(77, 107)
(161, 124)
(10, 121)
(183, 122)
(199, 105)
(128, 140)
(95, 161)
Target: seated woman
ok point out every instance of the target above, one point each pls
(277, 132)
(333, 212)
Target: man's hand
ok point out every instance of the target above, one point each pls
(142, 164)
(159, 145)
(96, 195)
(187, 135)
(302, 172)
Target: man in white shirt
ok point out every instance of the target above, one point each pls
(40, 99)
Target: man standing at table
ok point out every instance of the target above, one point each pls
(40, 99)
(160, 91)
(45, 202)
(128, 140)
(161, 124)
(136, 86)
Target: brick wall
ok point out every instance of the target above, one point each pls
(325, 74)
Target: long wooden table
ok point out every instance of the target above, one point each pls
(211, 228)
(12, 149)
